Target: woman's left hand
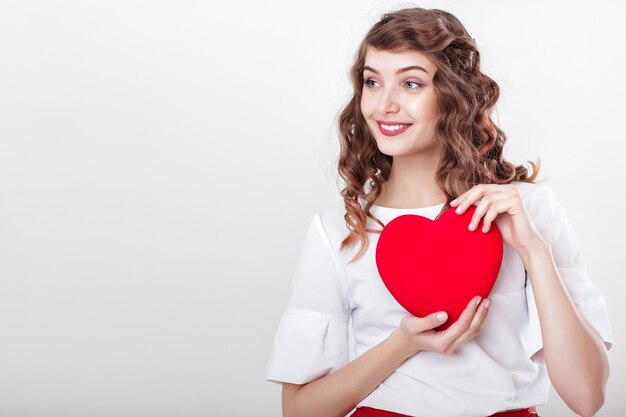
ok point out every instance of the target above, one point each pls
(515, 225)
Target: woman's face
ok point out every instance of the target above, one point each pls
(399, 102)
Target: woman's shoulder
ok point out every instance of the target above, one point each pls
(541, 202)
(536, 195)
(527, 189)
(538, 198)
(333, 220)
(332, 224)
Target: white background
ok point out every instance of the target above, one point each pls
(160, 161)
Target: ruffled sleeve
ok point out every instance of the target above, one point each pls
(554, 225)
(312, 336)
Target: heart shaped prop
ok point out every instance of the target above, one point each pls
(439, 265)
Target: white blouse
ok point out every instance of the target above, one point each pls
(502, 368)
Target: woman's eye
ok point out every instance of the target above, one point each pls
(368, 81)
(417, 85)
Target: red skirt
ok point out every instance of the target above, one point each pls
(375, 412)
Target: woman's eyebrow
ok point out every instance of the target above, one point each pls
(416, 67)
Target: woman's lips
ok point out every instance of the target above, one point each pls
(387, 132)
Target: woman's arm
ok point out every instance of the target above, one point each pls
(337, 393)
(575, 355)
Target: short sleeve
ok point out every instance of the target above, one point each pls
(555, 227)
(312, 336)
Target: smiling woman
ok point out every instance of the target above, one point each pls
(399, 99)
(421, 104)
(417, 138)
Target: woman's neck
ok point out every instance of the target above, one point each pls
(412, 183)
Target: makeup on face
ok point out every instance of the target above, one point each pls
(392, 128)
(398, 101)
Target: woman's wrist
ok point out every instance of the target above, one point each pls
(401, 344)
(537, 246)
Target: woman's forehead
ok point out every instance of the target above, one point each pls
(387, 60)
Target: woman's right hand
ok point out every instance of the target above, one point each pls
(416, 333)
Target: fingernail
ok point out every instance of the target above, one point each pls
(441, 316)
(484, 229)
(477, 300)
(487, 303)
(458, 209)
(471, 226)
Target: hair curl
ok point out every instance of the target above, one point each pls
(472, 143)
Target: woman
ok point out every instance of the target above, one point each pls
(417, 138)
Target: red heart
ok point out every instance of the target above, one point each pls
(430, 266)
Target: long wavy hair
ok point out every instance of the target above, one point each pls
(472, 143)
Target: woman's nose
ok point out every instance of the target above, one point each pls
(389, 102)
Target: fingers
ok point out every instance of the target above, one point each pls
(457, 329)
(437, 319)
(489, 218)
(491, 205)
(428, 322)
(471, 332)
(477, 192)
(465, 328)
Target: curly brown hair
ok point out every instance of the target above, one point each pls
(472, 143)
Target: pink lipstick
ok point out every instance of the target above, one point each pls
(393, 131)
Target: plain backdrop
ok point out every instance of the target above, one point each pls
(160, 161)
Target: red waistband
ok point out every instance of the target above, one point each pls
(375, 412)
(531, 412)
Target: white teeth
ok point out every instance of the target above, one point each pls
(393, 127)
